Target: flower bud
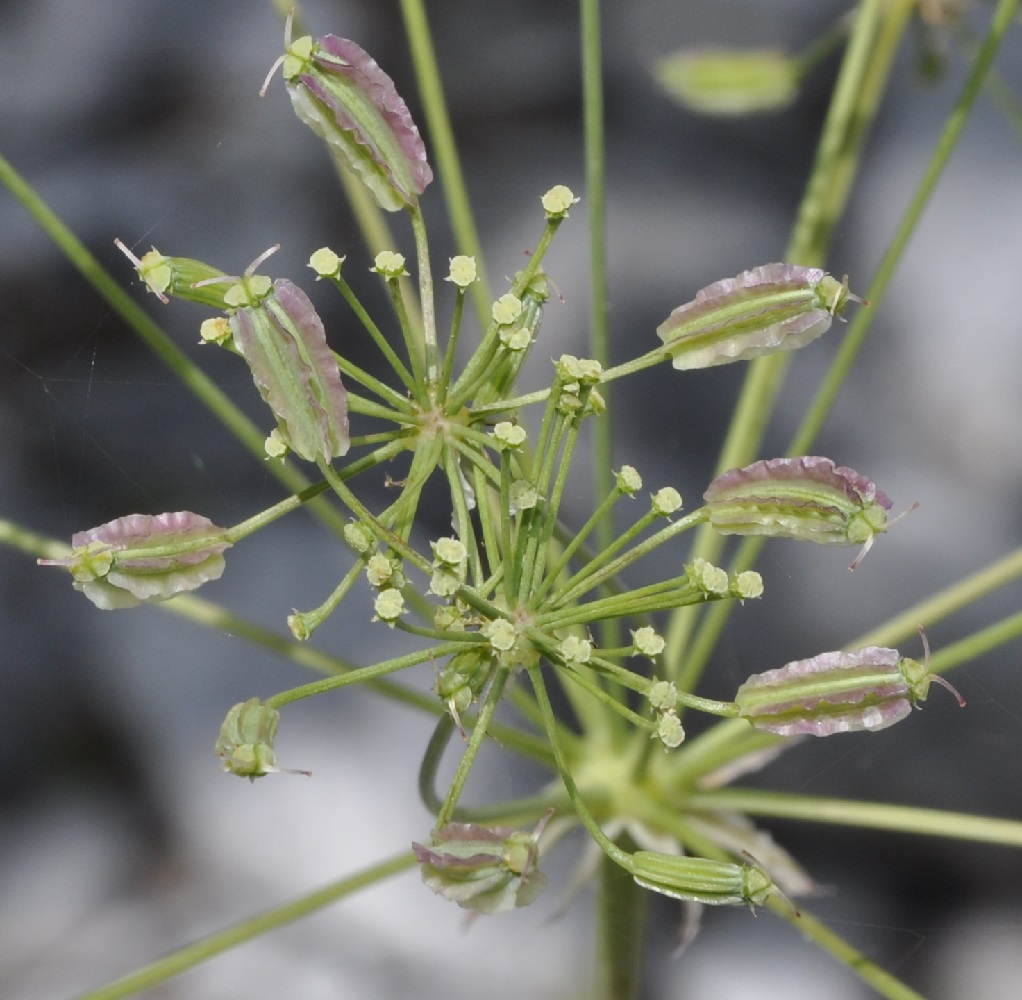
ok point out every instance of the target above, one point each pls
(462, 271)
(628, 480)
(557, 201)
(806, 498)
(575, 649)
(389, 605)
(666, 501)
(866, 689)
(144, 557)
(700, 880)
(460, 680)
(281, 336)
(711, 580)
(646, 642)
(730, 81)
(489, 870)
(340, 92)
(508, 435)
(775, 307)
(326, 263)
(669, 730)
(389, 264)
(507, 309)
(522, 496)
(501, 633)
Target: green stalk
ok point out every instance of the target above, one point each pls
(945, 602)
(596, 198)
(432, 349)
(217, 943)
(480, 729)
(363, 674)
(848, 955)
(448, 163)
(374, 331)
(863, 815)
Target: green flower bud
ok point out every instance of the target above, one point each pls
(445, 582)
(358, 538)
(747, 585)
(507, 309)
(379, 569)
(557, 201)
(326, 263)
(515, 339)
(522, 496)
(501, 633)
(390, 264)
(508, 435)
(710, 579)
(646, 642)
(449, 618)
(669, 730)
(575, 649)
(216, 330)
(389, 605)
(275, 446)
(662, 695)
(450, 551)
(666, 501)
(628, 481)
(462, 271)
(144, 558)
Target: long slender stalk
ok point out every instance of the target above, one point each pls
(864, 815)
(217, 943)
(427, 74)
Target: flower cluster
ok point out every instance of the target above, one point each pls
(511, 593)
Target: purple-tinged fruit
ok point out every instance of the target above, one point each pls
(775, 307)
(807, 498)
(144, 558)
(838, 692)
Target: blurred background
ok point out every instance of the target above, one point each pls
(119, 836)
